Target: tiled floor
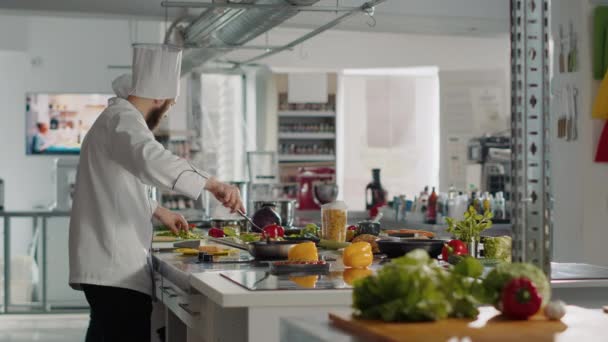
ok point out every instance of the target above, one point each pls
(47, 328)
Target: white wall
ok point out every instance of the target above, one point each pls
(579, 184)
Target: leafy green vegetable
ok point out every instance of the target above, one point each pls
(185, 235)
(415, 288)
(230, 231)
(249, 237)
(310, 229)
(498, 248)
(471, 227)
(503, 273)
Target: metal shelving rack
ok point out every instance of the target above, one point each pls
(532, 216)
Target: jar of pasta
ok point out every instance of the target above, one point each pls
(333, 221)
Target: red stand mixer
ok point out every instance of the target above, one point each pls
(317, 186)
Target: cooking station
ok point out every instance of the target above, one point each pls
(238, 302)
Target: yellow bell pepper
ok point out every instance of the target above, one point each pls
(305, 251)
(358, 255)
(307, 282)
(350, 275)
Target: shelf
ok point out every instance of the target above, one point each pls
(307, 114)
(306, 157)
(307, 136)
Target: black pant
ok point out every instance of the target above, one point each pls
(118, 314)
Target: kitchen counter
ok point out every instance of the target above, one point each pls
(204, 288)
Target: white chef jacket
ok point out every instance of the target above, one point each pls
(110, 225)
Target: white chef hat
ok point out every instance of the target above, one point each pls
(156, 71)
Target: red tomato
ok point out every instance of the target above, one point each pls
(454, 247)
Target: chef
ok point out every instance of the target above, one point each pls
(110, 225)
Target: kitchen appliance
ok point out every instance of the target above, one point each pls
(266, 281)
(285, 208)
(307, 178)
(493, 154)
(375, 195)
(65, 180)
(324, 192)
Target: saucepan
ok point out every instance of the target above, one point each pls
(285, 209)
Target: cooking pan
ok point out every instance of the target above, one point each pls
(395, 247)
(271, 250)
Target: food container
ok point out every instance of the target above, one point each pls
(239, 225)
(334, 221)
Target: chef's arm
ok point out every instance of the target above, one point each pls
(134, 147)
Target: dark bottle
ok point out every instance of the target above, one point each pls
(431, 212)
(375, 195)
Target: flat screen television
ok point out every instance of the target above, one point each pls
(57, 123)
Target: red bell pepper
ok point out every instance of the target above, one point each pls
(273, 231)
(216, 233)
(352, 228)
(520, 299)
(454, 247)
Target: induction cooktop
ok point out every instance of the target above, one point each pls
(260, 280)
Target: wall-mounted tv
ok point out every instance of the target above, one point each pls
(57, 123)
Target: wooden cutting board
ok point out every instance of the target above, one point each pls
(577, 326)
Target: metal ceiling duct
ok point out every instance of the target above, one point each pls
(221, 27)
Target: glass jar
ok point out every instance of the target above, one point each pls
(334, 221)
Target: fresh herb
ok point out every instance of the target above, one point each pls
(470, 228)
(415, 288)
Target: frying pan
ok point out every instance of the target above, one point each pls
(271, 250)
(394, 248)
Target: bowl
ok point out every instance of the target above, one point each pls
(324, 193)
(394, 248)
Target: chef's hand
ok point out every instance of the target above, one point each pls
(228, 195)
(174, 221)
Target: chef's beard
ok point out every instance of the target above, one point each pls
(156, 114)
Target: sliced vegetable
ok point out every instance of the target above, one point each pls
(250, 237)
(216, 233)
(555, 310)
(520, 299)
(358, 255)
(305, 251)
(454, 247)
(310, 229)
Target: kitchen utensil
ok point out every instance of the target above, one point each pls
(396, 247)
(569, 114)
(578, 325)
(368, 227)
(270, 250)
(324, 192)
(248, 219)
(574, 113)
(285, 208)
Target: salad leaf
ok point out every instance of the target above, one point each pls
(415, 288)
(230, 231)
(310, 229)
